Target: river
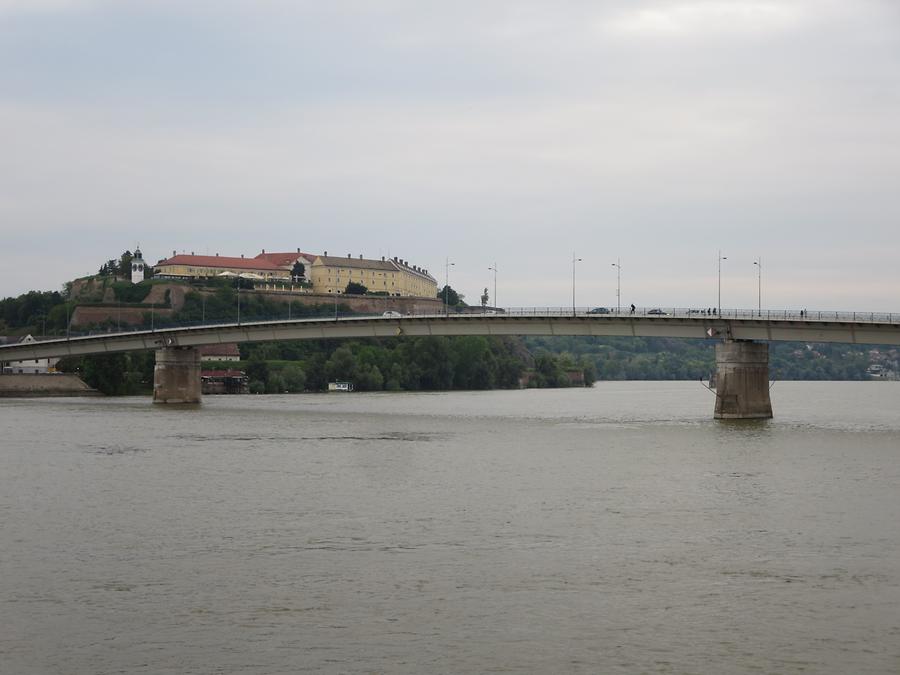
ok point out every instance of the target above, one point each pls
(618, 529)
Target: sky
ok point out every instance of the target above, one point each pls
(520, 134)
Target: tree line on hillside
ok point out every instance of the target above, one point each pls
(631, 358)
(121, 267)
(392, 364)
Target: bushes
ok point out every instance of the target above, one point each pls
(428, 363)
(128, 292)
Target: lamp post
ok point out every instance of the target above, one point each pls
(574, 260)
(719, 306)
(758, 263)
(494, 270)
(447, 267)
(618, 267)
(239, 298)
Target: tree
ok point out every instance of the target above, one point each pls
(484, 298)
(298, 271)
(451, 297)
(125, 264)
(105, 372)
(354, 288)
(294, 378)
(258, 370)
(341, 365)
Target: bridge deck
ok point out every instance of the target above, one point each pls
(769, 325)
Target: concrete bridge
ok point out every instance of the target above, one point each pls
(742, 356)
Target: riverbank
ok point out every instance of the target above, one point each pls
(22, 385)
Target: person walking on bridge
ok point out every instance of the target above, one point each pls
(632, 308)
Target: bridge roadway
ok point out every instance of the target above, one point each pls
(767, 326)
(742, 336)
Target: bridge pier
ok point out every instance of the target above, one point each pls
(176, 375)
(742, 381)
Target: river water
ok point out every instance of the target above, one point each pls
(618, 529)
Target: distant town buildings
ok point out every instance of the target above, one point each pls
(30, 367)
(325, 274)
(225, 351)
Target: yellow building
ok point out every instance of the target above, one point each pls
(331, 274)
(197, 266)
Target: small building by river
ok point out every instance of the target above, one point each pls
(224, 382)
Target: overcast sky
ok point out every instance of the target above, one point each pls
(514, 132)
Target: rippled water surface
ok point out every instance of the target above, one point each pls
(617, 530)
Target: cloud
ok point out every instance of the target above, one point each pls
(31, 6)
(699, 19)
(508, 131)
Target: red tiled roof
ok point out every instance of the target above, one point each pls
(224, 349)
(219, 261)
(285, 259)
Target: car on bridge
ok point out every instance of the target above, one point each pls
(657, 312)
(391, 314)
(599, 310)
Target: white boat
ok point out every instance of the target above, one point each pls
(340, 386)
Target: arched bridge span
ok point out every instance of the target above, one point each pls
(741, 354)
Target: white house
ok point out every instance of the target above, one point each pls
(30, 367)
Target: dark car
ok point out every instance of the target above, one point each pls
(599, 310)
(657, 312)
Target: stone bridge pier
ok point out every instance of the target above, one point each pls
(742, 381)
(176, 375)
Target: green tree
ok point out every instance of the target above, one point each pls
(298, 271)
(105, 372)
(433, 360)
(354, 288)
(341, 365)
(294, 378)
(125, 264)
(258, 370)
(451, 297)
(589, 370)
(275, 384)
(368, 378)
(474, 363)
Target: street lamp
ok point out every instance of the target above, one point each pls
(618, 284)
(494, 270)
(758, 263)
(574, 260)
(719, 307)
(447, 267)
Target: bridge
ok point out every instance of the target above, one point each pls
(742, 358)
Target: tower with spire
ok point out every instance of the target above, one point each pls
(137, 267)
